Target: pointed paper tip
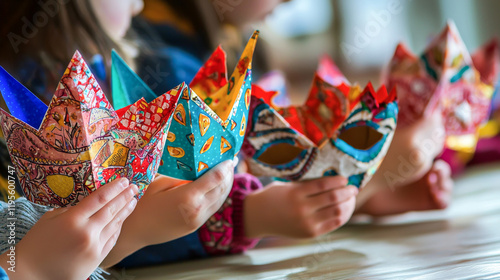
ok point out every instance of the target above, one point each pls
(114, 56)
(215, 64)
(20, 101)
(176, 90)
(326, 60)
(487, 61)
(326, 64)
(126, 85)
(369, 88)
(492, 46)
(250, 47)
(447, 43)
(450, 26)
(264, 95)
(402, 51)
(260, 93)
(329, 71)
(382, 95)
(75, 59)
(370, 91)
(77, 54)
(5, 76)
(393, 95)
(219, 49)
(449, 31)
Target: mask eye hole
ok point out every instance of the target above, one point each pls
(281, 153)
(361, 137)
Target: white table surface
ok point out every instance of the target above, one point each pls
(462, 242)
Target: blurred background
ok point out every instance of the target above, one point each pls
(361, 35)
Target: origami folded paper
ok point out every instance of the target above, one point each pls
(275, 81)
(445, 77)
(341, 130)
(211, 116)
(67, 150)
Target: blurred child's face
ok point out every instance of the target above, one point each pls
(244, 12)
(115, 15)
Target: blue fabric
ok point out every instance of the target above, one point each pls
(193, 45)
(35, 77)
(3, 274)
(184, 248)
(166, 68)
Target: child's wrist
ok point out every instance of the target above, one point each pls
(14, 271)
(256, 224)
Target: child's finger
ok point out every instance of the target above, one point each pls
(331, 197)
(317, 186)
(442, 184)
(102, 196)
(336, 214)
(116, 223)
(110, 243)
(217, 193)
(442, 167)
(214, 177)
(109, 211)
(218, 202)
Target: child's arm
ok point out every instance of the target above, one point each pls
(66, 243)
(168, 211)
(299, 209)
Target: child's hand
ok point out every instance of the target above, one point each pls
(401, 183)
(299, 209)
(71, 242)
(169, 210)
(412, 151)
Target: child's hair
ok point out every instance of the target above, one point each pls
(49, 31)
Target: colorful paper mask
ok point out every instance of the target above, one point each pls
(210, 119)
(447, 78)
(65, 151)
(341, 130)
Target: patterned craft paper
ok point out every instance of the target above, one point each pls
(446, 78)
(65, 151)
(275, 81)
(340, 130)
(210, 119)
